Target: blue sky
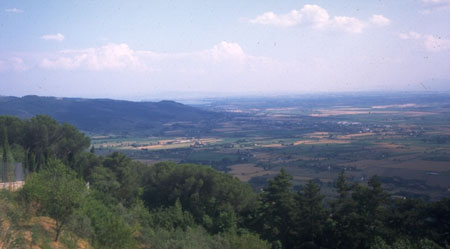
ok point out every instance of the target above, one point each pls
(157, 49)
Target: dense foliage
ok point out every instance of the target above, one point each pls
(114, 202)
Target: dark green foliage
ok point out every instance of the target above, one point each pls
(14, 128)
(275, 217)
(171, 217)
(311, 217)
(40, 134)
(362, 216)
(70, 143)
(110, 230)
(114, 202)
(85, 163)
(44, 138)
(379, 243)
(198, 238)
(127, 175)
(103, 181)
(438, 221)
(408, 218)
(41, 138)
(359, 218)
(114, 179)
(5, 148)
(214, 199)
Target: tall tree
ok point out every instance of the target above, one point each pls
(276, 211)
(45, 139)
(361, 218)
(5, 146)
(310, 217)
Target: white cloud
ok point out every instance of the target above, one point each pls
(53, 37)
(410, 35)
(349, 24)
(315, 15)
(380, 20)
(430, 42)
(108, 57)
(434, 5)
(225, 51)
(318, 18)
(436, 2)
(270, 18)
(13, 64)
(436, 44)
(14, 10)
(226, 56)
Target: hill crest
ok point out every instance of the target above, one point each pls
(104, 115)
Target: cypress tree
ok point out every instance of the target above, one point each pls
(5, 156)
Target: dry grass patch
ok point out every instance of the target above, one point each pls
(417, 164)
(356, 135)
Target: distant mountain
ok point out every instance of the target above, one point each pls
(104, 115)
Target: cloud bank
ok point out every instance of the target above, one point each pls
(119, 57)
(318, 18)
(16, 64)
(430, 42)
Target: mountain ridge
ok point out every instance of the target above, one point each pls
(109, 115)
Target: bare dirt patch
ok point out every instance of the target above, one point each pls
(356, 135)
(272, 145)
(322, 141)
(395, 106)
(337, 112)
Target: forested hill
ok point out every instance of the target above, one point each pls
(104, 115)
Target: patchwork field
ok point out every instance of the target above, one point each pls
(407, 144)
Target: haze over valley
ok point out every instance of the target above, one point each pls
(225, 124)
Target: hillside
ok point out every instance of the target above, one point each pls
(73, 198)
(104, 115)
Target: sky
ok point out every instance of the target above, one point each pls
(160, 49)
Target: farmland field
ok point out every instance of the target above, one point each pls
(402, 138)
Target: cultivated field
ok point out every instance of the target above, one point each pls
(403, 139)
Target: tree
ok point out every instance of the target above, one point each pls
(14, 127)
(276, 212)
(310, 216)
(5, 147)
(70, 142)
(45, 139)
(406, 218)
(359, 218)
(115, 179)
(110, 230)
(215, 199)
(439, 221)
(58, 192)
(342, 187)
